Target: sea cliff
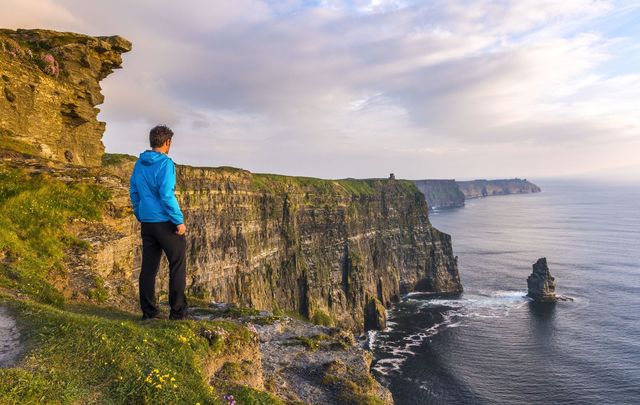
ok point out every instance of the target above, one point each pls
(322, 248)
(333, 252)
(443, 194)
(326, 249)
(486, 188)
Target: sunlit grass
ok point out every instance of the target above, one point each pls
(80, 355)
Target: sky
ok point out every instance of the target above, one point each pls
(363, 88)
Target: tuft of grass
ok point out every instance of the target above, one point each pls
(312, 343)
(248, 396)
(33, 229)
(99, 293)
(352, 388)
(266, 320)
(322, 318)
(294, 315)
(110, 159)
(240, 312)
(80, 356)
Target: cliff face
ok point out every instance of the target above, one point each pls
(335, 251)
(485, 188)
(452, 194)
(541, 284)
(50, 87)
(441, 193)
(331, 250)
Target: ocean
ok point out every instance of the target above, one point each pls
(491, 345)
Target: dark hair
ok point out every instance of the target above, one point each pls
(159, 135)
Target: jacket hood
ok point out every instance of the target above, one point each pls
(149, 157)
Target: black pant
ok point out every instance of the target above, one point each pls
(156, 238)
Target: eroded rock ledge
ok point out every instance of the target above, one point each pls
(49, 90)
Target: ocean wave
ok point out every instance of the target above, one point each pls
(399, 351)
(480, 304)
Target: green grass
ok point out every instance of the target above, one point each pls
(229, 378)
(109, 159)
(358, 187)
(248, 396)
(7, 141)
(322, 318)
(352, 388)
(341, 187)
(312, 343)
(34, 236)
(281, 183)
(81, 355)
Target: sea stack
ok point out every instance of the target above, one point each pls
(541, 284)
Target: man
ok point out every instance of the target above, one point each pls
(152, 191)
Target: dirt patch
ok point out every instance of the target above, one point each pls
(10, 347)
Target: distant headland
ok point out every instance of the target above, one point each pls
(442, 194)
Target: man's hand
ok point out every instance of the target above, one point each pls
(181, 229)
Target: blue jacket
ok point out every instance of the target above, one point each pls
(152, 189)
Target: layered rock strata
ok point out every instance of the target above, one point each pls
(444, 194)
(441, 194)
(49, 90)
(541, 284)
(486, 188)
(335, 250)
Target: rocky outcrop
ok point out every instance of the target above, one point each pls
(541, 284)
(50, 87)
(315, 364)
(441, 194)
(375, 316)
(486, 188)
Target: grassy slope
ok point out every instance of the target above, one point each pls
(85, 353)
(36, 210)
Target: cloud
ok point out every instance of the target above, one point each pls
(360, 88)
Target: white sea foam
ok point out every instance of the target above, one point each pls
(480, 305)
(371, 338)
(401, 350)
